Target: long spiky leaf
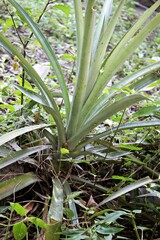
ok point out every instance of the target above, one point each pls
(18, 132)
(132, 125)
(83, 71)
(107, 112)
(116, 59)
(79, 28)
(19, 155)
(102, 23)
(13, 185)
(100, 49)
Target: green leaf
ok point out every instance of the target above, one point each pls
(20, 155)
(33, 95)
(130, 147)
(102, 22)
(8, 106)
(4, 151)
(13, 185)
(19, 231)
(104, 113)
(146, 111)
(72, 205)
(55, 213)
(76, 237)
(53, 109)
(112, 217)
(132, 125)
(19, 209)
(64, 151)
(120, 53)
(137, 211)
(56, 206)
(72, 232)
(127, 189)
(63, 8)
(37, 221)
(139, 84)
(104, 230)
(68, 212)
(126, 179)
(79, 28)
(8, 24)
(73, 195)
(18, 132)
(83, 70)
(102, 36)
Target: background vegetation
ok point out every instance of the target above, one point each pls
(106, 166)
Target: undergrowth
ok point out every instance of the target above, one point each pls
(135, 152)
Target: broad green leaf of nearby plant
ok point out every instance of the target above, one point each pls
(74, 234)
(104, 230)
(63, 8)
(112, 217)
(147, 111)
(19, 209)
(37, 222)
(19, 231)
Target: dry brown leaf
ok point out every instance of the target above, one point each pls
(91, 203)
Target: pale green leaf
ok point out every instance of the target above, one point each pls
(132, 125)
(112, 217)
(19, 231)
(104, 230)
(102, 115)
(56, 207)
(15, 184)
(20, 155)
(18, 132)
(19, 209)
(83, 70)
(55, 213)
